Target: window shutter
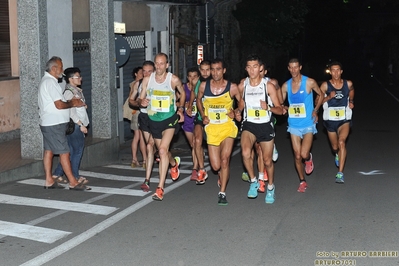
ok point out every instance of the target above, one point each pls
(5, 53)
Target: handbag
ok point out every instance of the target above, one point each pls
(70, 127)
(127, 111)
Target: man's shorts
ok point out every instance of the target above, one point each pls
(300, 132)
(188, 124)
(134, 123)
(262, 132)
(144, 122)
(54, 138)
(198, 120)
(157, 127)
(215, 134)
(332, 126)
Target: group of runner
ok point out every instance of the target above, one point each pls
(209, 107)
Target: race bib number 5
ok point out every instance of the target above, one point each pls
(336, 113)
(160, 103)
(217, 116)
(297, 110)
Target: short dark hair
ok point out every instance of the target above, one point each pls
(149, 63)
(294, 60)
(254, 57)
(162, 54)
(335, 63)
(193, 69)
(136, 70)
(217, 61)
(70, 72)
(205, 62)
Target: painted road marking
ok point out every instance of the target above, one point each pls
(68, 245)
(107, 190)
(57, 204)
(30, 232)
(120, 177)
(374, 172)
(127, 167)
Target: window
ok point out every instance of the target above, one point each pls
(5, 53)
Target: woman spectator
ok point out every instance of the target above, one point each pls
(76, 140)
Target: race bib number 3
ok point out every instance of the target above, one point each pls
(217, 116)
(336, 113)
(160, 103)
(297, 110)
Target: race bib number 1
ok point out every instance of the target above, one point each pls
(160, 103)
(297, 110)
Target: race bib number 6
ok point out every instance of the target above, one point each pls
(256, 113)
(297, 110)
(160, 103)
(217, 116)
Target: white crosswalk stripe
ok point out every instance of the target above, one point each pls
(56, 204)
(127, 167)
(108, 190)
(119, 177)
(29, 230)
(34, 233)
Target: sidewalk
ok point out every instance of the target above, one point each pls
(13, 167)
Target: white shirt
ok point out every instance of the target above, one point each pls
(77, 113)
(49, 92)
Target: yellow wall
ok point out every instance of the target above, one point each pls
(136, 16)
(9, 105)
(80, 16)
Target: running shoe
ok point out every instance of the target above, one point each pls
(309, 165)
(339, 178)
(253, 190)
(201, 177)
(261, 188)
(275, 153)
(145, 186)
(156, 157)
(270, 196)
(245, 177)
(158, 195)
(194, 175)
(222, 200)
(174, 170)
(336, 160)
(302, 187)
(265, 177)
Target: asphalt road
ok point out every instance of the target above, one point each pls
(117, 224)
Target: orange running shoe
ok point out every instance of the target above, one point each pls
(202, 177)
(174, 170)
(261, 188)
(309, 165)
(145, 186)
(158, 195)
(194, 175)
